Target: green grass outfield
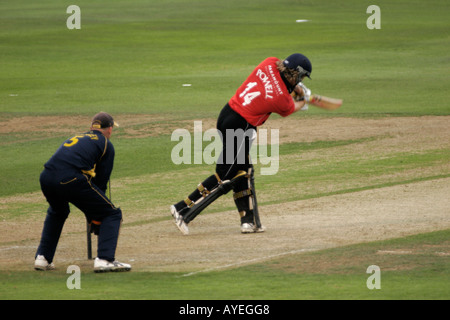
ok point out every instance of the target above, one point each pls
(133, 57)
(421, 275)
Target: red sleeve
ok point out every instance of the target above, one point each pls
(287, 108)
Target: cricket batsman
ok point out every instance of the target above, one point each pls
(267, 89)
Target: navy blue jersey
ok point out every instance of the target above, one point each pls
(90, 153)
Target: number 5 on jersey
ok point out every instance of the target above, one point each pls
(249, 96)
(73, 141)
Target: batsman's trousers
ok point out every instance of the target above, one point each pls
(60, 189)
(236, 147)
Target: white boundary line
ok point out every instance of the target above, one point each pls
(246, 262)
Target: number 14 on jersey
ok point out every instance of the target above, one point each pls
(249, 96)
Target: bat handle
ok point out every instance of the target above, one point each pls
(314, 98)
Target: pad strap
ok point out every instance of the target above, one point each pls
(243, 193)
(218, 178)
(203, 191)
(189, 202)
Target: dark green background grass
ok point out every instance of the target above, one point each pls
(132, 57)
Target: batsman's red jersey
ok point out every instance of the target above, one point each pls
(262, 93)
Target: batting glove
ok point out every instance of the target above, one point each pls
(306, 91)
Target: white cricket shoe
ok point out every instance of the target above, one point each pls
(251, 228)
(101, 265)
(179, 222)
(42, 264)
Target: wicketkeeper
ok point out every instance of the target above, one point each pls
(78, 173)
(268, 89)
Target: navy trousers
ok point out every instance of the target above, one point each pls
(60, 189)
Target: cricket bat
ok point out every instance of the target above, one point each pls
(324, 102)
(318, 100)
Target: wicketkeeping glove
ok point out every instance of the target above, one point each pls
(95, 227)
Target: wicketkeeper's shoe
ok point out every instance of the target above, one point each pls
(101, 265)
(42, 264)
(179, 222)
(247, 227)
